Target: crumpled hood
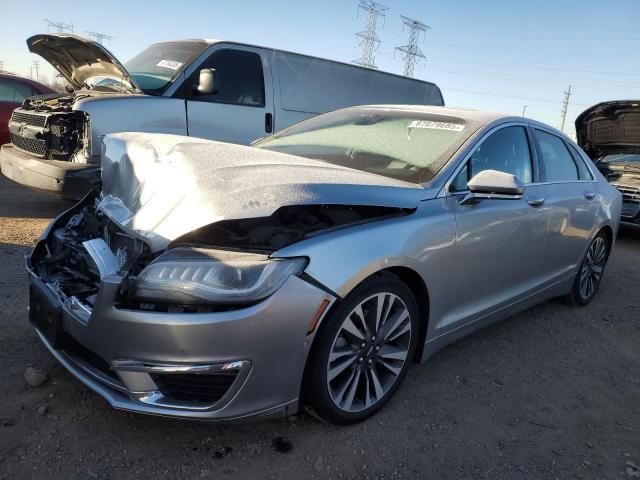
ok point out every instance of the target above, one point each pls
(164, 186)
(78, 59)
(609, 128)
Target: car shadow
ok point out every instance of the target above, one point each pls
(21, 202)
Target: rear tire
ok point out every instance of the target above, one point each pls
(363, 351)
(590, 272)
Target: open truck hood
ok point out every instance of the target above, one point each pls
(163, 186)
(609, 128)
(79, 59)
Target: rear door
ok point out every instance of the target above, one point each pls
(499, 242)
(570, 196)
(241, 110)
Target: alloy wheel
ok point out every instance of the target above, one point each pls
(592, 268)
(369, 352)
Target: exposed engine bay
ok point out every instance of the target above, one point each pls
(47, 127)
(286, 226)
(64, 262)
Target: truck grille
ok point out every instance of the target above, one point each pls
(29, 119)
(27, 132)
(31, 145)
(630, 200)
(51, 135)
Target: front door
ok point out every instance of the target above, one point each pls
(241, 109)
(499, 242)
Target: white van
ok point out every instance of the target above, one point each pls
(213, 89)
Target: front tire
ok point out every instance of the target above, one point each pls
(590, 272)
(363, 351)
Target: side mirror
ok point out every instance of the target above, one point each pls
(206, 82)
(493, 184)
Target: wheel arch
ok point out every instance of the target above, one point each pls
(418, 287)
(608, 231)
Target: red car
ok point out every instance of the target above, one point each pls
(13, 90)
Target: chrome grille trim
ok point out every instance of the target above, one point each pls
(35, 119)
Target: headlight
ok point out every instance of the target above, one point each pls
(202, 276)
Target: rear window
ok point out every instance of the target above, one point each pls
(557, 164)
(13, 91)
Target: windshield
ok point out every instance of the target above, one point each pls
(408, 146)
(157, 66)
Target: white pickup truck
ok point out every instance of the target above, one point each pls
(213, 89)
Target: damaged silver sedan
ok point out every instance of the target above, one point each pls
(223, 282)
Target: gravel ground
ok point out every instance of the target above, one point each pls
(553, 392)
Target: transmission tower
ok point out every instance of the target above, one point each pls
(36, 67)
(59, 26)
(565, 106)
(99, 37)
(368, 41)
(411, 54)
(1, 66)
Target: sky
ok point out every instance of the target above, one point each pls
(491, 55)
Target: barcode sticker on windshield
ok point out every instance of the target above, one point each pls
(453, 127)
(171, 64)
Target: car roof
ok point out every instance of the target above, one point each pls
(44, 88)
(474, 118)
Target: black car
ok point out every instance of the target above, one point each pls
(609, 133)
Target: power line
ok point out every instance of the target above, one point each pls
(542, 67)
(515, 97)
(521, 79)
(565, 106)
(411, 53)
(368, 40)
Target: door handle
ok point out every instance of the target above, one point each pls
(589, 195)
(536, 202)
(268, 123)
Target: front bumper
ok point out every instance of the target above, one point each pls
(266, 344)
(67, 179)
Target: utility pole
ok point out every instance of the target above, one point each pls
(36, 66)
(368, 41)
(524, 109)
(59, 26)
(565, 106)
(99, 37)
(411, 54)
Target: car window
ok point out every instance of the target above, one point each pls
(239, 79)
(506, 150)
(12, 91)
(583, 170)
(556, 163)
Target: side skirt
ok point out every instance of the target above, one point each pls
(561, 287)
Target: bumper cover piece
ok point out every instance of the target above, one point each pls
(66, 179)
(232, 365)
